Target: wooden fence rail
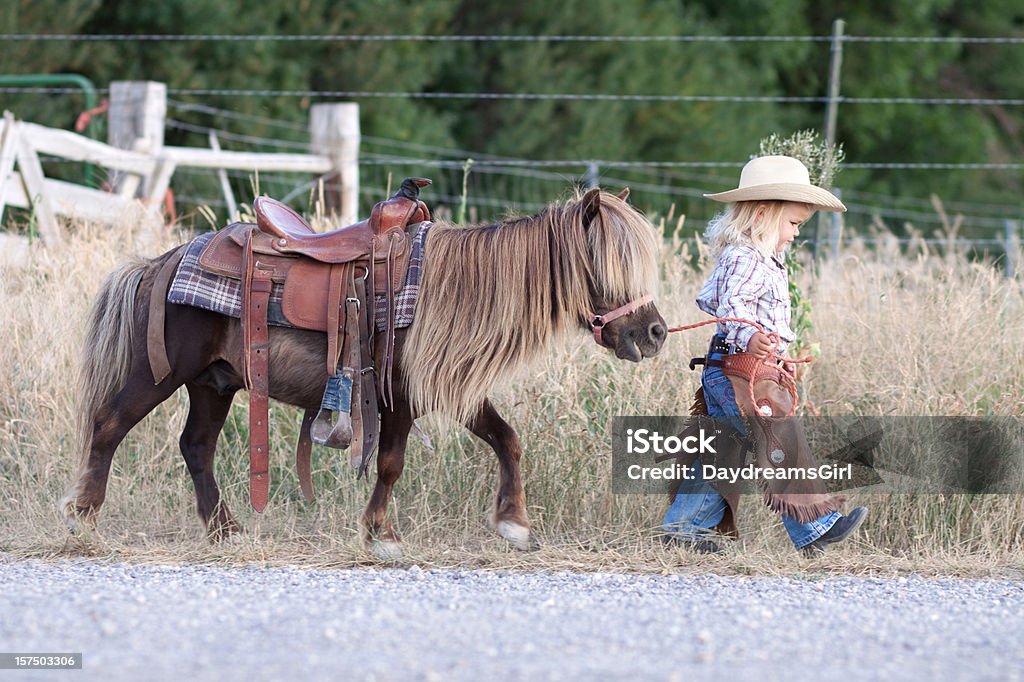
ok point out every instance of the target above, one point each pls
(142, 167)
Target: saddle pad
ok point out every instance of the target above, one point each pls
(193, 286)
(405, 301)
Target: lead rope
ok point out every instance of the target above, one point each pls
(773, 355)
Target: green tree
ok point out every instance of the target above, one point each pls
(24, 57)
(279, 65)
(938, 133)
(603, 129)
(574, 129)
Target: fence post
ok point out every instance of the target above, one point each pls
(334, 133)
(8, 149)
(837, 227)
(834, 72)
(225, 185)
(39, 200)
(138, 110)
(1011, 244)
(835, 68)
(593, 173)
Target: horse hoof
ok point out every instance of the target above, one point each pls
(386, 550)
(518, 535)
(78, 521)
(222, 532)
(77, 526)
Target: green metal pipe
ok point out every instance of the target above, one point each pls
(61, 79)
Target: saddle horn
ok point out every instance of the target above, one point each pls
(410, 188)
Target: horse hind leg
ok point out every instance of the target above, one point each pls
(510, 519)
(110, 423)
(116, 386)
(208, 409)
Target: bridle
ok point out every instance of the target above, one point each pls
(597, 322)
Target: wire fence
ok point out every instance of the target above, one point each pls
(496, 185)
(543, 96)
(227, 37)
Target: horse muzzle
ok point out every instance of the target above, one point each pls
(634, 338)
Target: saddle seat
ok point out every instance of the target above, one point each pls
(280, 220)
(291, 233)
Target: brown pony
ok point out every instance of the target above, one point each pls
(492, 299)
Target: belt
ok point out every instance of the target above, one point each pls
(720, 345)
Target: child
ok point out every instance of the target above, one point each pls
(774, 198)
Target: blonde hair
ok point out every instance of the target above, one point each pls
(738, 224)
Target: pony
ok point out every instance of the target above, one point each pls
(492, 299)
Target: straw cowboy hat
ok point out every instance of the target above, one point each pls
(779, 178)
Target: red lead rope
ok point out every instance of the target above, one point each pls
(772, 356)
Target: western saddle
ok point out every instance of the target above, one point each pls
(330, 284)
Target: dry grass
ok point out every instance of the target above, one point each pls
(898, 335)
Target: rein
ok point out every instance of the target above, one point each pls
(597, 323)
(790, 379)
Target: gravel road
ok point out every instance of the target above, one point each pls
(136, 622)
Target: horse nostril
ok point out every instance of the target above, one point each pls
(657, 331)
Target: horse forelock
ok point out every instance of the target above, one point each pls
(493, 297)
(624, 250)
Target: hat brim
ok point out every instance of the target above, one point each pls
(821, 199)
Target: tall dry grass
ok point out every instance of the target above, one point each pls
(924, 334)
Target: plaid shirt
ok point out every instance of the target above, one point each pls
(750, 285)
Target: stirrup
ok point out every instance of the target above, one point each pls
(337, 399)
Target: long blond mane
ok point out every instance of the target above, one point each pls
(494, 297)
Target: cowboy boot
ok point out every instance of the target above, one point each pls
(840, 530)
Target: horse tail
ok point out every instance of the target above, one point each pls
(108, 344)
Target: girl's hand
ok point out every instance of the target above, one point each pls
(760, 346)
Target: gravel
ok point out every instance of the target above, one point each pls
(143, 622)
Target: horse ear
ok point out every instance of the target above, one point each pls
(624, 194)
(591, 203)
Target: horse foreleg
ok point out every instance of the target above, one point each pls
(208, 409)
(379, 534)
(510, 519)
(110, 424)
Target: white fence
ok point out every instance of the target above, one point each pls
(142, 166)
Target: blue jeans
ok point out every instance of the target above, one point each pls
(697, 506)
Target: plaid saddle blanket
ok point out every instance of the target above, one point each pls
(193, 286)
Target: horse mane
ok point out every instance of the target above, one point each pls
(493, 297)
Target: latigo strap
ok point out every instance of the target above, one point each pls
(256, 340)
(303, 448)
(156, 345)
(369, 419)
